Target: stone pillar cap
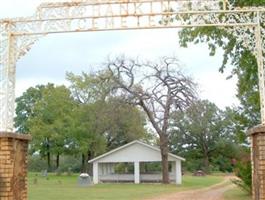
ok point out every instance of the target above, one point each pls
(15, 136)
(256, 129)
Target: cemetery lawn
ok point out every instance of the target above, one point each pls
(66, 188)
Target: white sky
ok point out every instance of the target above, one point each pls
(54, 55)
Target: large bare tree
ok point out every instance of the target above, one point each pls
(159, 89)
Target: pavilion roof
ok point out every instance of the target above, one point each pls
(134, 151)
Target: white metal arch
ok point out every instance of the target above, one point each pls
(17, 35)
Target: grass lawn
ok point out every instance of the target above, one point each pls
(236, 194)
(66, 188)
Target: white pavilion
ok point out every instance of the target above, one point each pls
(134, 153)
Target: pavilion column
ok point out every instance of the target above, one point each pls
(136, 172)
(178, 173)
(95, 173)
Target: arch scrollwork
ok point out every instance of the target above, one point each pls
(18, 35)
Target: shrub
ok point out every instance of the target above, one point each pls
(222, 163)
(36, 164)
(68, 164)
(244, 173)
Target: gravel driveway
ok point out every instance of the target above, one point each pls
(215, 192)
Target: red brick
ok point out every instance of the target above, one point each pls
(13, 166)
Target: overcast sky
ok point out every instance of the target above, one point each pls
(53, 55)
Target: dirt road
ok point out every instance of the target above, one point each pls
(215, 192)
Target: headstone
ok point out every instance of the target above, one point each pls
(44, 173)
(199, 173)
(84, 180)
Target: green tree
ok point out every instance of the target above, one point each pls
(245, 68)
(90, 87)
(88, 138)
(203, 133)
(25, 105)
(107, 125)
(124, 123)
(52, 122)
(243, 60)
(104, 122)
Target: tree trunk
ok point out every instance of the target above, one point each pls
(164, 156)
(83, 168)
(89, 168)
(48, 154)
(49, 159)
(206, 162)
(57, 161)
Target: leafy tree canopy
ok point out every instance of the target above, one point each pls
(204, 132)
(243, 61)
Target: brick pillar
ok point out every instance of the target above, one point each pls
(13, 166)
(257, 135)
